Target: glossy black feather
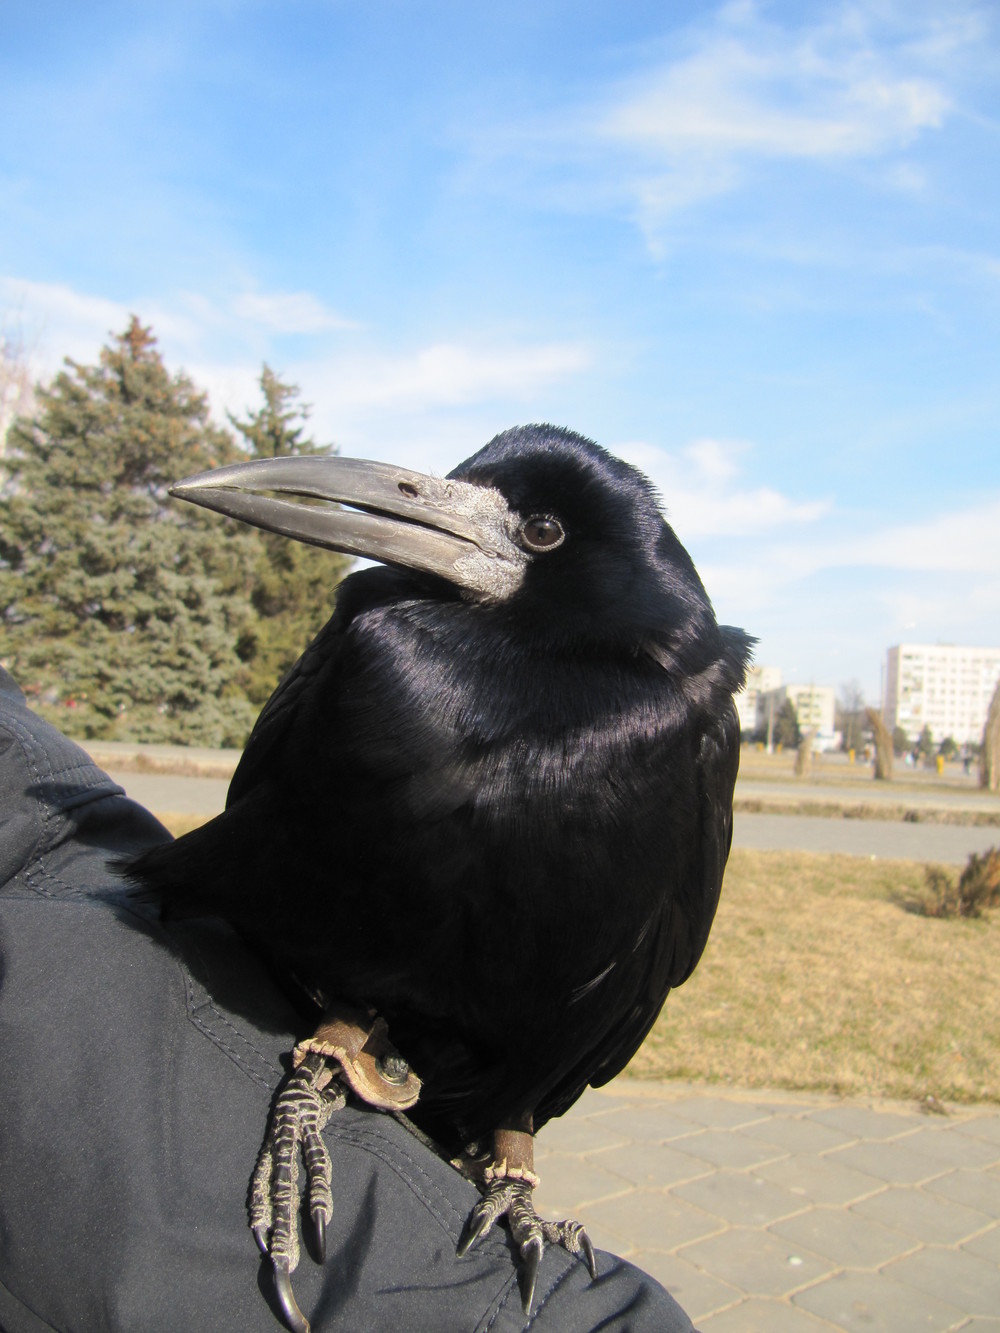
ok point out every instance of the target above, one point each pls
(504, 826)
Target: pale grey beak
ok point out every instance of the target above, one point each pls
(451, 529)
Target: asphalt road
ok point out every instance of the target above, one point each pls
(889, 839)
(948, 843)
(164, 793)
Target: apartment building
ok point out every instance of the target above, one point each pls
(944, 686)
(814, 706)
(759, 680)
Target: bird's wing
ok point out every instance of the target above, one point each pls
(274, 723)
(677, 935)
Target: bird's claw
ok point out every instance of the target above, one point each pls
(300, 1112)
(294, 1317)
(512, 1199)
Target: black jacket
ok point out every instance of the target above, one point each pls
(137, 1064)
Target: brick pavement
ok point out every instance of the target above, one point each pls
(775, 1213)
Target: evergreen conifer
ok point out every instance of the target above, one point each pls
(293, 584)
(122, 612)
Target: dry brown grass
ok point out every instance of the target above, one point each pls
(815, 978)
(905, 814)
(175, 765)
(180, 824)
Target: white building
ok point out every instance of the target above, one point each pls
(759, 680)
(944, 686)
(814, 709)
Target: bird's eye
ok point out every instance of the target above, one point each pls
(542, 534)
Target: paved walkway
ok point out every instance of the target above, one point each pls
(911, 793)
(172, 794)
(782, 1213)
(894, 839)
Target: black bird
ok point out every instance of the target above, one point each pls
(492, 801)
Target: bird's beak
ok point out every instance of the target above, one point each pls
(452, 529)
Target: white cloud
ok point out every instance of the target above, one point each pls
(57, 321)
(825, 590)
(938, 573)
(847, 82)
(706, 496)
(716, 460)
(448, 374)
(729, 100)
(222, 341)
(965, 541)
(60, 321)
(906, 178)
(962, 542)
(289, 312)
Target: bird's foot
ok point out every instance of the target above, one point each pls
(508, 1187)
(301, 1110)
(349, 1052)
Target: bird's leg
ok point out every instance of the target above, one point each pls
(301, 1111)
(507, 1185)
(349, 1052)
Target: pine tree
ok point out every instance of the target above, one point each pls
(786, 726)
(293, 584)
(121, 611)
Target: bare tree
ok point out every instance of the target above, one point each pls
(804, 755)
(17, 398)
(883, 744)
(989, 753)
(850, 714)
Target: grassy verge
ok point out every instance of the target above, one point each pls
(815, 978)
(766, 805)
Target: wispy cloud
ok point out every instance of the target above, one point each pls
(750, 91)
(950, 556)
(743, 90)
(289, 312)
(62, 321)
(827, 607)
(963, 541)
(779, 563)
(772, 93)
(449, 374)
(706, 493)
(59, 321)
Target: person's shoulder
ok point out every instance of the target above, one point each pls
(64, 819)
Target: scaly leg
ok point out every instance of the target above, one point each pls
(349, 1052)
(508, 1183)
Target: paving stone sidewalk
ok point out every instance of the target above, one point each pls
(774, 1213)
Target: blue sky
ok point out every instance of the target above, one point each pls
(751, 247)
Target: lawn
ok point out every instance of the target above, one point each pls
(815, 978)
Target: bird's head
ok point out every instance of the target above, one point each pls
(540, 522)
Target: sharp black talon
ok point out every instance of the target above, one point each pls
(294, 1317)
(476, 1227)
(319, 1222)
(531, 1253)
(588, 1250)
(260, 1236)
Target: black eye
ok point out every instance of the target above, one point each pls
(542, 534)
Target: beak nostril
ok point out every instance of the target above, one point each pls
(409, 490)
